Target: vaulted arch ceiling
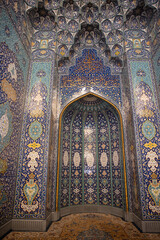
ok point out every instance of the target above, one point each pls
(75, 24)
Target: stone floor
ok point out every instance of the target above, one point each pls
(86, 227)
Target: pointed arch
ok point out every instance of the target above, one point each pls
(122, 139)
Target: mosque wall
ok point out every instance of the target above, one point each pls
(33, 160)
(146, 123)
(102, 49)
(14, 62)
(88, 75)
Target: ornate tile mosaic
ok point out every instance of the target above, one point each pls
(11, 113)
(146, 117)
(17, 13)
(9, 35)
(91, 43)
(30, 196)
(90, 73)
(91, 168)
(13, 74)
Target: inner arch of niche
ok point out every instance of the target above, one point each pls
(91, 173)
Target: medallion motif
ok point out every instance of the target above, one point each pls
(76, 159)
(65, 158)
(89, 158)
(104, 159)
(150, 145)
(35, 130)
(115, 158)
(34, 145)
(148, 130)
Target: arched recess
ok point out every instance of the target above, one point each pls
(91, 167)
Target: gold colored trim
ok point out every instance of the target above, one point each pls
(59, 145)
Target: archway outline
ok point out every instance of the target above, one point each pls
(59, 145)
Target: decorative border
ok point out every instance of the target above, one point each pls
(41, 213)
(138, 140)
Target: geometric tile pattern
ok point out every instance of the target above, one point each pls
(91, 155)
